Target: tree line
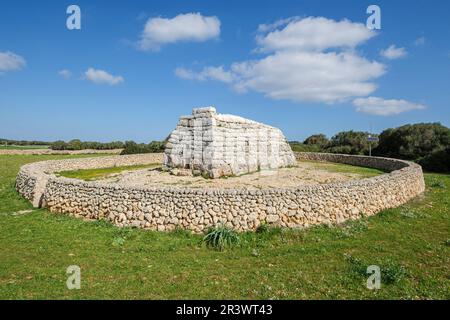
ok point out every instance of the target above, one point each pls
(425, 143)
(129, 147)
(9, 142)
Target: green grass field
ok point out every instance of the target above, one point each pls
(100, 173)
(411, 245)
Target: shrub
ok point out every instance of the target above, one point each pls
(355, 266)
(319, 140)
(392, 273)
(132, 147)
(58, 145)
(76, 144)
(437, 184)
(23, 142)
(414, 141)
(437, 161)
(350, 142)
(268, 230)
(263, 228)
(221, 237)
(301, 147)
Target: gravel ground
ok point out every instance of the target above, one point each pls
(303, 174)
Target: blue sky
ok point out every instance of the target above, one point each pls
(305, 71)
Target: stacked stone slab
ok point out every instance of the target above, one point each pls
(218, 145)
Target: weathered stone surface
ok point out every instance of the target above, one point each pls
(218, 145)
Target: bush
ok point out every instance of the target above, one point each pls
(413, 142)
(58, 145)
(221, 237)
(23, 142)
(76, 144)
(319, 140)
(132, 147)
(350, 142)
(437, 161)
(392, 272)
(301, 147)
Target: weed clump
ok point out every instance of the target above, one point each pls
(221, 237)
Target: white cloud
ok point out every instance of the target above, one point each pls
(272, 26)
(183, 27)
(392, 52)
(207, 73)
(66, 74)
(312, 33)
(420, 41)
(307, 76)
(382, 107)
(102, 77)
(10, 61)
(299, 66)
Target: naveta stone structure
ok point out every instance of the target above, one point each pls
(218, 145)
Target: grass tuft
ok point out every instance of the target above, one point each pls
(221, 237)
(438, 184)
(391, 272)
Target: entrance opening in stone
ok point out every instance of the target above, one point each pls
(215, 145)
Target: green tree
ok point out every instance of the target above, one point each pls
(74, 144)
(350, 142)
(413, 141)
(320, 140)
(58, 145)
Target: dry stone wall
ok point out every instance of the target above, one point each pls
(165, 208)
(32, 178)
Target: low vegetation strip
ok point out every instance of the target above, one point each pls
(25, 147)
(346, 168)
(167, 208)
(44, 151)
(410, 244)
(101, 173)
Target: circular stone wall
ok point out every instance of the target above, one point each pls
(165, 208)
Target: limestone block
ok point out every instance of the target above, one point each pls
(219, 144)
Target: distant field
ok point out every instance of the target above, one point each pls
(411, 244)
(3, 147)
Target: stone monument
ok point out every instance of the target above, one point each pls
(216, 145)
